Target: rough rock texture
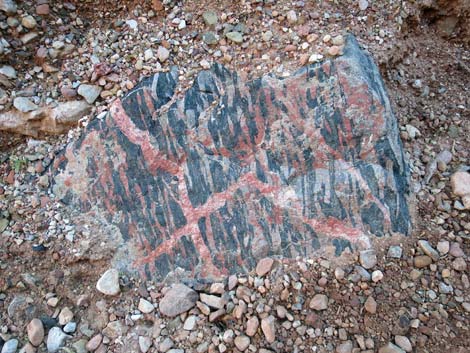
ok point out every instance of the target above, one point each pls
(237, 170)
(57, 120)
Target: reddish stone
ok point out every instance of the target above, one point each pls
(157, 5)
(290, 47)
(10, 179)
(68, 92)
(43, 10)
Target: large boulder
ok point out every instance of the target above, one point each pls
(236, 169)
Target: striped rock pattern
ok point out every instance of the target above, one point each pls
(237, 170)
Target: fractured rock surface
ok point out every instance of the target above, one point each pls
(237, 170)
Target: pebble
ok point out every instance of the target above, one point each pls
(319, 302)
(210, 38)
(65, 316)
(55, 339)
(8, 71)
(24, 105)
(395, 252)
(455, 250)
(252, 326)
(35, 331)
(145, 343)
(443, 247)
(8, 6)
(422, 261)
(264, 266)
(404, 343)
(338, 40)
(314, 58)
(459, 264)
(178, 300)
(166, 345)
(370, 305)
(345, 347)
(108, 284)
(89, 92)
(145, 306)
(190, 323)
(460, 183)
(363, 5)
(377, 276)
(28, 22)
(267, 36)
(162, 54)
(93, 344)
(428, 249)
(148, 54)
(235, 37)
(43, 10)
(391, 348)
(334, 50)
(292, 17)
(10, 346)
(210, 18)
(268, 326)
(212, 300)
(70, 327)
(368, 258)
(339, 273)
(242, 342)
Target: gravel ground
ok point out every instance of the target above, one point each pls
(412, 294)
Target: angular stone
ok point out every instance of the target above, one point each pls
(428, 249)
(206, 184)
(93, 344)
(24, 105)
(65, 316)
(210, 18)
(368, 259)
(460, 182)
(162, 54)
(178, 300)
(319, 302)
(115, 329)
(395, 252)
(345, 347)
(57, 120)
(145, 306)
(145, 343)
(212, 300)
(236, 37)
(370, 305)
(264, 266)
(108, 283)
(89, 92)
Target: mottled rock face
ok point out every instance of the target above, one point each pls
(236, 170)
